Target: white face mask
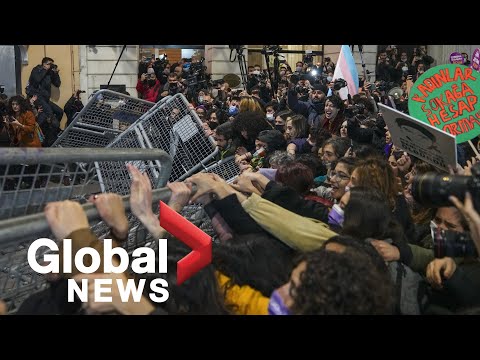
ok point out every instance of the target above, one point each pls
(329, 78)
(433, 228)
(270, 116)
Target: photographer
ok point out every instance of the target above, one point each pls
(312, 109)
(40, 83)
(73, 106)
(455, 281)
(420, 57)
(172, 87)
(360, 134)
(148, 86)
(384, 69)
(403, 69)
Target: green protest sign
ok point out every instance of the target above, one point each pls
(446, 97)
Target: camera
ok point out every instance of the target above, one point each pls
(356, 111)
(339, 84)
(53, 67)
(453, 244)
(385, 86)
(433, 189)
(218, 82)
(302, 90)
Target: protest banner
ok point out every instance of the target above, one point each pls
(420, 139)
(456, 58)
(446, 97)
(475, 65)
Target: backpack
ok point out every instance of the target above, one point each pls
(39, 132)
(410, 289)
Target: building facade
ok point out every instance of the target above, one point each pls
(87, 67)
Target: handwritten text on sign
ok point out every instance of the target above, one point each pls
(446, 97)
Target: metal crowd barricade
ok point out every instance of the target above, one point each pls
(227, 169)
(32, 177)
(171, 126)
(104, 117)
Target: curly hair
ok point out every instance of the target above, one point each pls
(21, 101)
(377, 173)
(279, 158)
(346, 283)
(252, 122)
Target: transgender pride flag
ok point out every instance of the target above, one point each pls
(347, 70)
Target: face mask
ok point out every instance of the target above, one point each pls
(280, 128)
(282, 73)
(326, 163)
(298, 69)
(200, 99)
(151, 82)
(405, 69)
(270, 116)
(232, 110)
(214, 93)
(276, 305)
(256, 72)
(336, 216)
(329, 78)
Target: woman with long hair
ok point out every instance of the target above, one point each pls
(21, 122)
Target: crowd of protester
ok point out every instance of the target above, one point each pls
(321, 220)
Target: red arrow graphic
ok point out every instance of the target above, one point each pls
(192, 236)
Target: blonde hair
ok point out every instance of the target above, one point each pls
(248, 103)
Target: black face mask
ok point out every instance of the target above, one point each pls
(280, 128)
(151, 82)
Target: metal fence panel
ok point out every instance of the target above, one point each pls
(227, 169)
(104, 117)
(30, 178)
(173, 127)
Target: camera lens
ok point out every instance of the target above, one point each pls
(433, 189)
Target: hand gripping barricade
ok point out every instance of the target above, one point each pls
(227, 169)
(30, 178)
(106, 115)
(174, 128)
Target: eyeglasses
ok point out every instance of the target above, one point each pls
(340, 175)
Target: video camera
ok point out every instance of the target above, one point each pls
(218, 82)
(271, 49)
(453, 244)
(357, 111)
(339, 84)
(433, 190)
(385, 86)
